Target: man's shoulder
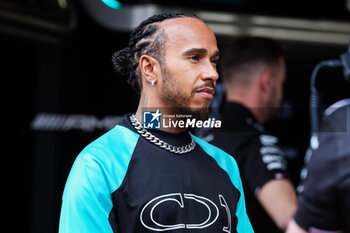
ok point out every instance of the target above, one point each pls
(222, 158)
(234, 141)
(207, 146)
(236, 117)
(113, 140)
(100, 158)
(116, 144)
(234, 131)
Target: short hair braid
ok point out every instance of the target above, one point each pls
(148, 38)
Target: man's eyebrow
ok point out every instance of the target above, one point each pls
(216, 54)
(195, 50)
(201, 50)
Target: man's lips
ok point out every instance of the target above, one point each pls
(206, 92)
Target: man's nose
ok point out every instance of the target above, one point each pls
(210, 73)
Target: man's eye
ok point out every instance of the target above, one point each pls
(194, 57)
(215, 61)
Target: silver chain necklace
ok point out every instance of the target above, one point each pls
(155, 140)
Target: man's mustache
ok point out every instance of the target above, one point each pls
(205, 85)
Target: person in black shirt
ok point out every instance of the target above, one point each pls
(324, 199)
(138, 180)
(253, 72)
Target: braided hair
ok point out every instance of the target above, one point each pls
(148, 38)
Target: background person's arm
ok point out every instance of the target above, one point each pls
(279, 200)
(293, 227)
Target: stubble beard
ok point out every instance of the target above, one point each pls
(172, 93)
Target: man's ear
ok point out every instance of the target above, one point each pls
(265, 81)
(149, 68)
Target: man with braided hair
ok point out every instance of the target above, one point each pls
(134, 179)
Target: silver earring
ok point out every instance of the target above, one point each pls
(152, 83)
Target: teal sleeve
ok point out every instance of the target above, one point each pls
(229, 165)
(97, 172)
(244, 224)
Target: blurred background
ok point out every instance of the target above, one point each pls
(62, 92)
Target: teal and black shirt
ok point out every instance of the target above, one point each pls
(123, 183)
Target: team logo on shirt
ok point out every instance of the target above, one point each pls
(151, 120)
(272, 155)
(149, 221)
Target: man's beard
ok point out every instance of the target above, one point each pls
(172, 93)
(196, 113)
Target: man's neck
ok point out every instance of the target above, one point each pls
(251, 105)
(146, 104)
